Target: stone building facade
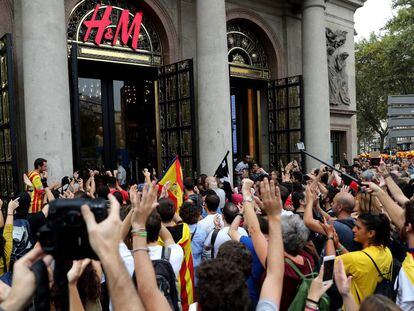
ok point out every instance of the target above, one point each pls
(206, 77)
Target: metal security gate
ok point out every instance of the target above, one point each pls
(8, 161)
(176, 111)
(286, 120)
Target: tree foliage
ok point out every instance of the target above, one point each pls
(384, 66)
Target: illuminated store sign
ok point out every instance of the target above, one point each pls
(117, 33)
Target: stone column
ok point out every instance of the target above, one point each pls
(315, 82)
(213, 86)
(46, 86)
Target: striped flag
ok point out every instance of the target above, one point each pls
(174, 175)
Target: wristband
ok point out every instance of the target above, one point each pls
(140, 249)
(140, 234)
(248, 198)
(10, 214)
(137, 230)
(312, 301)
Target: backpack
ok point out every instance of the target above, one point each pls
(385, 286)
(299, 302)
(166, 280)
(22, 240)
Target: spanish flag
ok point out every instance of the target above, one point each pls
(174, 175)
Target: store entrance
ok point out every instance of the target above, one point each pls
(246, 111)
(116, 117)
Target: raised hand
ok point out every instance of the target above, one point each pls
(318, 286)
(147, 204)
(328, 227)
(13, 204)
(270, 195)
(77, 269)
(105, 236)
(343, 283)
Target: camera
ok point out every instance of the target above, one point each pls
(65, 235)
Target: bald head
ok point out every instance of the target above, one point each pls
(346, 201)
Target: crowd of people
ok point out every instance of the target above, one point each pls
(326, 239)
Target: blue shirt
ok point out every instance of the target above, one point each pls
(254, 282)
(197, 245)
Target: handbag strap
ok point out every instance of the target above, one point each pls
(376, 267)
(296, 269)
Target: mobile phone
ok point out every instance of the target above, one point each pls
(140, 187)
(328, 268)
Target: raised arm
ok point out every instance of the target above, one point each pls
(78, 266)
(395, 211)
(104, 238)
(8, 231)
(308, 219)
(273, 283)
(259, 241)
(233, 233)
(395, 191)
(148, 290)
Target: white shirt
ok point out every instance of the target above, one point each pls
(176, 256)
(222, 237)
(121, 175)
(207, 223)
(405, 293)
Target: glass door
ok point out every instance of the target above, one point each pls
(134, 126)
(92, 153)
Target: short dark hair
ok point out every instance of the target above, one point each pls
(39, 162)
(166, 209)
(24, 203)
(297, 196)
(102, 191)
(215, 292)
(153, 227)
(111, 181)
(264, 224)
(189, 212)
(409, 213)
(298, 176)
(239, 254)
(188, 183)
(381, 225)
(212, 202)
(230, 212)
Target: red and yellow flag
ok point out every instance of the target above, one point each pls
(174, 175)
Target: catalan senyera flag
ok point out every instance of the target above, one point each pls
(186, 275)
(174, 175)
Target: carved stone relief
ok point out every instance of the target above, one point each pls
(338, 78)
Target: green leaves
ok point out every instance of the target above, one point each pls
(384, 66)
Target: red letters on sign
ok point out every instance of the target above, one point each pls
(123, 29)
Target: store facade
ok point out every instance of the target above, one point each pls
(92, 82)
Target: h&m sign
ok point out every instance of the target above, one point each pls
(124, 30)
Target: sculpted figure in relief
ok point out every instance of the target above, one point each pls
(338, 79)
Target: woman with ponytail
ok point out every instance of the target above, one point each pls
(373, 232)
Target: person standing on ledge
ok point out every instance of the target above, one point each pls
(38, 178)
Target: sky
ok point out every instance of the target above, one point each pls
(372, 17)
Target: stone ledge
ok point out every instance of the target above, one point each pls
(342, 112)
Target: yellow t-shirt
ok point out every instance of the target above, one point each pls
(8, 247)
(364, 274)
